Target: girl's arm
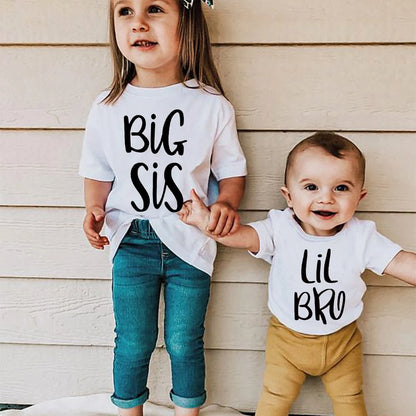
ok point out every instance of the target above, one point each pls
(403, 267)
(224, 218)
(195, 213)
(95, 194)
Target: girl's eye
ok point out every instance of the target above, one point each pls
(155, 9)
(125, 11)
(311, 187)
(341, 188)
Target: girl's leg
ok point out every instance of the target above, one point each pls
(136, 291)
(181, 411)
(186, 298)
(135, 411)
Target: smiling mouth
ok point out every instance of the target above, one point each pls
(144, 43)
(324, 214)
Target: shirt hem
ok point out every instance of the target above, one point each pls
(316, 333)
(172, 245)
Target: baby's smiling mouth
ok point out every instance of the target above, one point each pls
(325, 214)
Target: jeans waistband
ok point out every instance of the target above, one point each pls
(144, 229)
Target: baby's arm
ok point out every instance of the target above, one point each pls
(95, 193)
(224, 218)
(194, 212)
(403, 267)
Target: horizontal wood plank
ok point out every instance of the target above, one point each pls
(312, 88)
(300, 21)
(79, 312)
(47, 161)
(49, 243)
(30, 374)
(301, 88)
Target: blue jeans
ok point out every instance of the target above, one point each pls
(140, 267)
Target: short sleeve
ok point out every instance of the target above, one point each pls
(264, 230)
(379, 250)
(227, 156)
(94, 164)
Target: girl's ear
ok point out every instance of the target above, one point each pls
(286, 194)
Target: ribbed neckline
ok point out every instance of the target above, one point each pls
(311, 237)
(169, 90)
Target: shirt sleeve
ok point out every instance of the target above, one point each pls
(379, 250)
(94, 163)
(228, 159)
(264, 230)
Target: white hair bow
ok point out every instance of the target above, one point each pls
(188, 3)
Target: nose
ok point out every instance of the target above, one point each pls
(326, 196)
(140, 23)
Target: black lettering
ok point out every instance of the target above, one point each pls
(179, 148)
(134, 174)
(304, 305)
(303, 269)
(326, 268)
(128, 133)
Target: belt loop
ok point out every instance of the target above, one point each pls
(142, 227)
(135, 225)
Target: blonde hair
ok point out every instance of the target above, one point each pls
(196, 61)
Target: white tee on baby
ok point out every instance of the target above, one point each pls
(155, 145)
(315, 284)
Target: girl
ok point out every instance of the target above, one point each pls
(159, 131)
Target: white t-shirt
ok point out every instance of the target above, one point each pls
(315, 284)
(155, 145)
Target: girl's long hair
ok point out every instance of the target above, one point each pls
(196, 61)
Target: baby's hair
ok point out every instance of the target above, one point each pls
(332, 143)
(196, 59)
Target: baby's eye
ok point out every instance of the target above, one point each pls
(341, 188)
(311, 187)
(155, 9)
(125, 11)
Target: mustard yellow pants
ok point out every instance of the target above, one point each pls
(290, 356)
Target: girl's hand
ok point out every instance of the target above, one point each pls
(194, 212)
(93, 223)
(224, 219)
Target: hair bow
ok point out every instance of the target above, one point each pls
(188, 3)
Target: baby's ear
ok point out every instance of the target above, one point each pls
(363, 193)
(286, 194)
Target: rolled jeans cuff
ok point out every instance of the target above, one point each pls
(188, 402)
(128, 404)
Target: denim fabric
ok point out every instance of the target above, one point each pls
(141, 266)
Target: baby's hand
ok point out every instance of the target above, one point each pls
(194, 212)
(224, 219)
(93, 223)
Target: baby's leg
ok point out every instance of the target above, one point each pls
(282, 380)
(344, 381)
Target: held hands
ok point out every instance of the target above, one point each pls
(223, 220)
(93, 223)
(194, 212)
(219, 220)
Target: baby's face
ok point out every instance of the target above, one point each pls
(323, 191)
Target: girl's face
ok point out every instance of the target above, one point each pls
(147, 35)
(323, 191)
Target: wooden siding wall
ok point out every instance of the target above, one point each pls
(290, 68)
